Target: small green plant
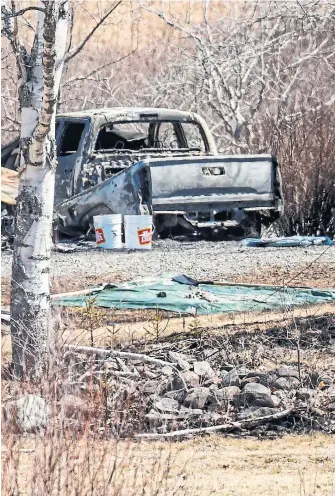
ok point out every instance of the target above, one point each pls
(113, 331)
(156, 325)
(195, 324)
(92, 316)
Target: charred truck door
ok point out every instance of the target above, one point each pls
(70, 137)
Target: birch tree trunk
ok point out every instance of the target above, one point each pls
(30, 294)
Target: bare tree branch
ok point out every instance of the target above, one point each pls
(98, 69)
(79, 48)
(20, 12)
(10, 31)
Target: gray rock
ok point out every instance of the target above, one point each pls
(231, 379)
(256, 388)
(254, 373)
(229, 392)
(167, 405)
(203, 369)
(276, 401)
(175, 384)
(256, 395)
(29, 413)
(178, 381)
(319, 380)
(222, 397)
(331, 407)
(304, 394)
(167, 370)
(242, 372)
(287, 372)
(211, 418)
(197, 398)
(180, 360)
(177, 395)
(287, 383)
(248, 380)
(249, 413)
(191, 378)
(155, 419)
(259, 399)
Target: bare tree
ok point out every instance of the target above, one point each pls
(39, 74)
(262, 75)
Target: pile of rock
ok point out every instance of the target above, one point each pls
(176, 391)
(197, 395)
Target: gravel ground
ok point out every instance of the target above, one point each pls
(198, 259)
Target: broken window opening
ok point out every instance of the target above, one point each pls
(71, 138)
(166, 136)
(193, 136)
(123, 136)
(155, 136)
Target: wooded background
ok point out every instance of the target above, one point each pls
(261, 74)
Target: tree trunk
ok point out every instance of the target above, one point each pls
(30, 272)
(30, 293)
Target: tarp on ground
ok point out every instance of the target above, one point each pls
(289, 241)
(185, 296)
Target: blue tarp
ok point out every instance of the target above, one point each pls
(290, 241)
(184, 295)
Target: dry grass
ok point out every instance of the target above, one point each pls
(130, 326)
(224, 466)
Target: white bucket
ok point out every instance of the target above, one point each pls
(138, 231)
(108, 231)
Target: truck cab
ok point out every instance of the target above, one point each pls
(93, 145)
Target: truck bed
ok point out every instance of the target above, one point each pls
(176, 186)
(222, 181)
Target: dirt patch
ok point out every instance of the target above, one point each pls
(317, 275)
(65, 284)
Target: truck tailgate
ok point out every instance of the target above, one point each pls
(233, 180)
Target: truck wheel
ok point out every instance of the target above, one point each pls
(253, 226)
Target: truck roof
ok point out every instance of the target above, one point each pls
(116, 112)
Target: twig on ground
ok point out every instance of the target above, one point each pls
(124, 354)
(121, 354)
(222, 427)
(114, 373)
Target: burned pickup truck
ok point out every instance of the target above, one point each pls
(161, 162)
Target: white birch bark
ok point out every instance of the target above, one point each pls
(30, 295)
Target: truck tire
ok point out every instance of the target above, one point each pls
(253, 225)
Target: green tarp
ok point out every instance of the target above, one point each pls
(183, 295)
